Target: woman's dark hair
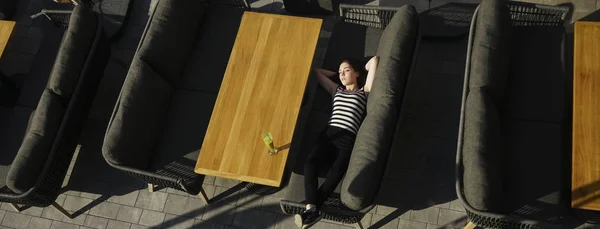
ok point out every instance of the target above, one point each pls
(357, 66)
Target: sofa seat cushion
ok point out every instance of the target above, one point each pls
(74, 50)
(138, 119)
(482, 148)
(206, 67)
(536, 83)
(37, 143)
(186, 123)
(13, 125)
(369, 156)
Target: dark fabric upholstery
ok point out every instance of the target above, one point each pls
(206, 68)
(186, 124)
(482, 133)
(536, 83)
(37, 143)
(491, 49)
(170, 36)
(139, 115)
(370, 153)
(13, 125)
(44, 126)
(7, 9)
(72, 54)
(138, 118)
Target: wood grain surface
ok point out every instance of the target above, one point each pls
(585, 188)
(261, 92)
(6, 28)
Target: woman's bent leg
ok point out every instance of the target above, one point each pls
(311, 169)
(334, 176)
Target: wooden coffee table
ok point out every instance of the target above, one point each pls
(261, 92)
(585, 188)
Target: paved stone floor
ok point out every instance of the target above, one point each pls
(417, 192)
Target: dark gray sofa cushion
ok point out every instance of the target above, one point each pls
(13, 126)
(482, 148)
(138, 117)
(75, 47)
(37, 143)
(370, 153)
(181, 140)
(167, 43)
(491, 49)
(206, 68)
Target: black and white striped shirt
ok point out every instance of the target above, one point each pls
(349, 108)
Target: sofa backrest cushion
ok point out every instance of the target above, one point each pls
(75, 47)
(481, 149)
(42, 130)
(490, 54)
(170, 36)
(374, 138)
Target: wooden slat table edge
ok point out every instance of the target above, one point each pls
(255, 180)
(578, 202)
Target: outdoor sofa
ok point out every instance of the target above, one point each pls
(158, 123)
(41, 131)
(512, 158)
(360, 32)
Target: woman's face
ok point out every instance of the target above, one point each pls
(347, 74)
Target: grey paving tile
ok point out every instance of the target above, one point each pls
(248, 199)
(191, 207)
(84, 227)
(598, 5)
(224, 182)
(452, 218)
(254, 219)
(271, 204)
(380, 221)
(427, 215)
(16, 220)
(387, 210)
(2, 213)
(106, 210)
(285, 222)
(128, 199)
(136, 226)
(32, 211)
(209, 180)
(366, 221)
(63, 225)
(97, 189)
(129, 214)
(51, 212)
(409, 224)
(328, 225)
(580, 5)
(200, 224)
(177, 222)
(75, 203)
(209, 189)
(457, 206)
(151, 218)
(79, 220)
(40, 223)
(219, 213)
(96, 222)
(114, 224)
(176, 192)
(151, 201)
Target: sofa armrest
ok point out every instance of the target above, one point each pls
(374, 138)
(137, 121)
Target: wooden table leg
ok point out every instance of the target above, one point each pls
(470, 225)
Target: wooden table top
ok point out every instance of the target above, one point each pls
(261, 92)
(585, 188)
(6, 28)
